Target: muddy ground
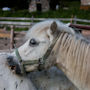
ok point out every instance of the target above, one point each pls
(5, 43)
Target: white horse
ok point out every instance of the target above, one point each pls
(70, 53)
(39, 38)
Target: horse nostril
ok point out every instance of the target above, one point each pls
(9, 58)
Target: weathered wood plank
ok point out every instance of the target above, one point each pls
(12, 38)
(41, 19)
(15, 23)
(87, 27)
(4, 35)
(20, 18)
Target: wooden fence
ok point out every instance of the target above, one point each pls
(31, 20)
(13, 22)
(12, 37)
(27, 22)
(75, 19)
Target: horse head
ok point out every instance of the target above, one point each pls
(38, 40)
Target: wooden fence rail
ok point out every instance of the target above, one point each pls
(40, 19)
(79, 26)
(15, 23)
(22, 23)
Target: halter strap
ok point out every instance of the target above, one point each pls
(20, 62)
(48, 52)
(18, 55)
(24, 63)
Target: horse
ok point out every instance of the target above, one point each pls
(67, 50)
(12, 78)
(71, 55)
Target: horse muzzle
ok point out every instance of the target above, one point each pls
(14, 66)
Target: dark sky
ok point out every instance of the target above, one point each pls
(14, 3)
(23, 4)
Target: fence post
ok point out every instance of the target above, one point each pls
(12, 37)
(75, 21)
(32, 19)
(71, 21)
(4, 28)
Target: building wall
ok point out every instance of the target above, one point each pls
(44, 4)
(32, 6)
(85, 2)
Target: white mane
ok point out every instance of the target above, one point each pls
(74, 55)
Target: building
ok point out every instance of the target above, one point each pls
(85, 4)
(39, 5)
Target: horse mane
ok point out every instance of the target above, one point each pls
(74, 45)
(47, 23)
(74, 55)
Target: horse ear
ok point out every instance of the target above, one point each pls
(53, 27)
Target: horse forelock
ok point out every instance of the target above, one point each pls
(38, 28)
(44, 25)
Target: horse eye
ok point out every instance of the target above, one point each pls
(33, 42)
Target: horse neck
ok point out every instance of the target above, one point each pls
(73, 59)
